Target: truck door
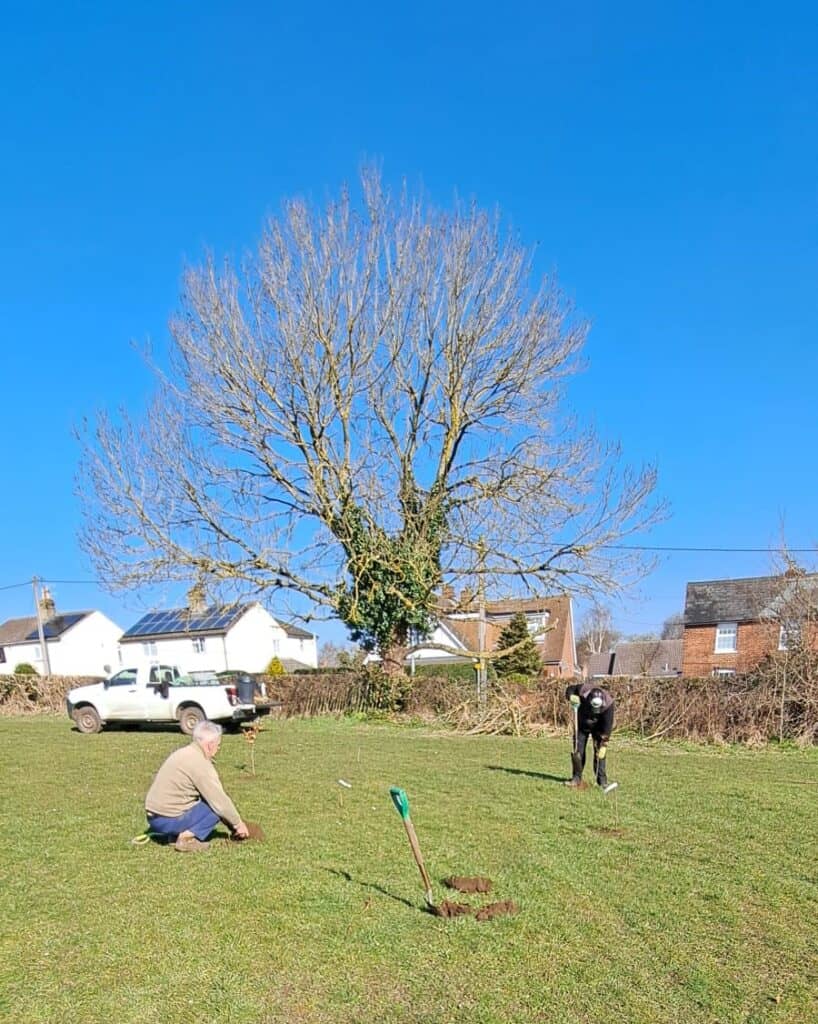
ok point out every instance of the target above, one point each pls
(154, 698)
(120, 693)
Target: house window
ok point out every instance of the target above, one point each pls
(276, 646)
(2, 655)
(726, 636)
(38, 652)
(724, 672)
(789, 636)
(149, 649)
(536, 623)
(199, 644)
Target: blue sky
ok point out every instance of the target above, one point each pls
(662, 157)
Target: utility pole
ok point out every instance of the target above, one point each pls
(40, 631)
(481, 623)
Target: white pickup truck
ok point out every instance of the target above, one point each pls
(159, 693)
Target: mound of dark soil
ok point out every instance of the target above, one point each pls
(256, 833)
(497, 910)
(449, 909)
(468, 883)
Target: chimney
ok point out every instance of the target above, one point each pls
(447, 593)
(47, 607)
(196, 599)
(466, 599)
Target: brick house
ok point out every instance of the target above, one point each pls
(730, 625)
(550, 621)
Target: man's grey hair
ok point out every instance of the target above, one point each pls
(206, 731)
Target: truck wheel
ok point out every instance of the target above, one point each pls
(190, 718)
(87, 720)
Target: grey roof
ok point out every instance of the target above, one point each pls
(25, 631)
(601, 664)
(295, 631)
(293, 665)
(648, 658)
(744, 600)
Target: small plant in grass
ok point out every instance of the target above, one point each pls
(250, 732)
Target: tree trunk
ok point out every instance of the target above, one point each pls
(394, 659)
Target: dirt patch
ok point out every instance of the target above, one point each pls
(256, 833)
(611, 833)
(463, 883)
(470, 884)
(449, 909)
(497, 910)
(578, 785)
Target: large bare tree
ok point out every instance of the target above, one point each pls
(596, 634)
(368, 406)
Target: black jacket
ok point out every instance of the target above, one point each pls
(599, 723)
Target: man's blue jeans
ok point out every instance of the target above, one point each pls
(201, 819)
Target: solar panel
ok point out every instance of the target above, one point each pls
(180, 620)
(57, 626)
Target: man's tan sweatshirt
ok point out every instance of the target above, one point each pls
(186, 777)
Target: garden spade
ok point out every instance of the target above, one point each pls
(401, 802)
(576, 762)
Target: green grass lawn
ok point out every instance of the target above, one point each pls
(703, 909)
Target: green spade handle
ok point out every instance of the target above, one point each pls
(401, 801)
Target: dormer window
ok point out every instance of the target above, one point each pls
(537, 623)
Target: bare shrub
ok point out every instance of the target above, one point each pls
(28, 695)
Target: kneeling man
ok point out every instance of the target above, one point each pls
(187, 800)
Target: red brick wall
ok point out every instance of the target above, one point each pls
(753, 641)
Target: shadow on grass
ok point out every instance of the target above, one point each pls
(532, 775)
(371, 885)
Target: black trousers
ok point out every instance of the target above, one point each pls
(583, 736)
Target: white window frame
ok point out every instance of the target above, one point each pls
(38, 653)
(149, 648)
(726, 631)
(787, 630)
(721, 672)
(537, 622)
(199, 644)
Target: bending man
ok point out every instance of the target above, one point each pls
(187, 800)
(594, 710)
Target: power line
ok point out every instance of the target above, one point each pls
(679, 549)
(97, 583)
(719, 551)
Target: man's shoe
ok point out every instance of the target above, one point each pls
(190, 844)
(574, 783)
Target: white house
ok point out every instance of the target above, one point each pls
(79, 644)
(244, 637)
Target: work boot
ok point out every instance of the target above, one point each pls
(574, 782)
(190, 844)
